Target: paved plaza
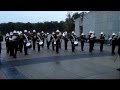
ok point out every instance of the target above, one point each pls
(46, 64)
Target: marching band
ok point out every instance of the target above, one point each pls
(18, 40)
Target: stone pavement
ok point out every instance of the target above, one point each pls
(46, 64)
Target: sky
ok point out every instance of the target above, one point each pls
(33, 16)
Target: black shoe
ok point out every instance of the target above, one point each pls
(118, 69)
(14, 57)
(113, 53)
(90, 51)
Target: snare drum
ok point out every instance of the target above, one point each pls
(28, 44)
(54, 43)
(76, 43)
(40, 43)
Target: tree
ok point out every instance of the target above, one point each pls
(69, 23)
(82, 15)
(75, 15)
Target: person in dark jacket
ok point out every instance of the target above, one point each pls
(82, 40)
(7, 43)
(102, 39)
(73, 38)
(43, 37)
(1, 39)
(53, 40)
(25, 39)
(57, 40)
(48, 40)
(65, 37)
(118, 48)
(114, 42)
(34, 38)
(15, 43)
(21, 42)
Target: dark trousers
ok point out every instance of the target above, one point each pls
(90, 47)
(57, 47)
(38, 47)
(60, 44)
(48, 44)
(101, 47)
(33, 45)
(93, 45)
(73, 46)
(66, 45)
(15, 51)
(53, 46)
(7, 47)
(113, 48)
(119, 50)
(43, 42)
(21, 47)
(82, 45)
(0, 47)
(11, 49)
(25, 49)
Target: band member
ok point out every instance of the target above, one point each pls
(25, 39)
(57, 40)
(15, 43)
(34, 37)
(65, 37)
(21, 42)
(119, 48)
(38, 41)
(11, 44)
(53, 40)
(60, 36)
(1, 39)
(119, 44)
(7, 43)
(73, 38)
(91, 41)
(114, 41)
(82, 40)
(43, 37)
(102, 39)
(48, 40)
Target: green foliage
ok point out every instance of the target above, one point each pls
(46, 26)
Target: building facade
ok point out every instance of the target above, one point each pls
(107, 22)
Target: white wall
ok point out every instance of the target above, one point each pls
(77, 27)
(102, 21)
